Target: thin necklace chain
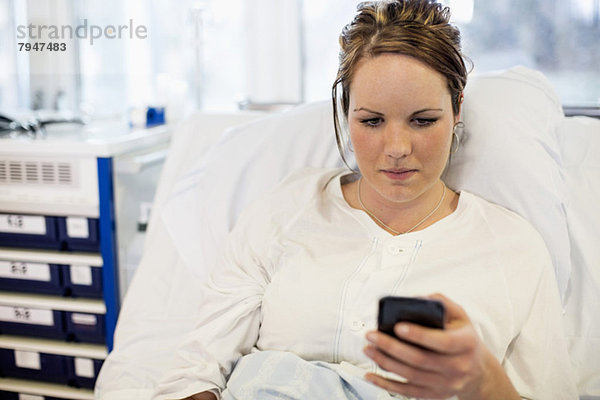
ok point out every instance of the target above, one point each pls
(395, 232)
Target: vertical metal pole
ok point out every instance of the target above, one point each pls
(198, 20)
(108, 247)
(302, 49)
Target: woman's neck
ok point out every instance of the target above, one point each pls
(401, 217)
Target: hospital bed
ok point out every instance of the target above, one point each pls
(517, 149)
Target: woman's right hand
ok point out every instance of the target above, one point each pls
(453, 361)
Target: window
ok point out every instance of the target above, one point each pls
(212, 54)
(561, 38)
(14, 87)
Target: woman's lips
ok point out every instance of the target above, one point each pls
(399, 175)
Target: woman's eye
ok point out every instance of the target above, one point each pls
(371, 122)
(425, 121)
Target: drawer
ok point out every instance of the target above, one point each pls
(33, 365)
(78, 233)
(82, 281)
(31, 231)
(22, 396)
(52, 324)
(31, 277)
(85, 327)
(63, 280)
(83, 372)
(32, 322)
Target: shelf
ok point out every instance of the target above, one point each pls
(86, 350)
(86, 161)
(45, 389)
(100, 139)
(52, 302)
(51, 257)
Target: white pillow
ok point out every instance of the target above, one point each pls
(246, 162)
(510, 154)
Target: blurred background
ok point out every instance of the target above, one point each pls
(226, 55)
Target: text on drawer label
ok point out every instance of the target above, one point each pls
(25, 270)
(27, 359)
(26, 315)
(11, 223)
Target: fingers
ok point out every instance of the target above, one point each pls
(454, 340)
(428, 374)
(453, 312)
(416, 376)
(403, 352)
(436, 363)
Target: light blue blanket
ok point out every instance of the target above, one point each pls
(269, 375)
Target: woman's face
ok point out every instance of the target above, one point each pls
(400, 120)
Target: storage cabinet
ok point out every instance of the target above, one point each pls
(59, 257)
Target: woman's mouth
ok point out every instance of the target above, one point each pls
(399, 174)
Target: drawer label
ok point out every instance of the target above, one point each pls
(23, 396)
(26, 224)
(84, 367)
(77, 227)
(84, 319)
(81, 275)
(26, 315)
(25, 270)
(28, 359)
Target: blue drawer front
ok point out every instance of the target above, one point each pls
(82, 281)
(36, 366)
(62, 280)
(78, 234)
(31, 322)
(82, 327)
(83, 372)
(31, 231)
(15, 396)
(31, 277)
(9, 395)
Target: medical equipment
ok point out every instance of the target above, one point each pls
(66, 201)
(517, 149)
(12, 127)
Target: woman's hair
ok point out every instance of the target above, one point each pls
(416, 28)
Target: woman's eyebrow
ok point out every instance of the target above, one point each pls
(413, 114)
(368, 110)
(427, 109)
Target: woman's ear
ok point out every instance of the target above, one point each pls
(461, 98)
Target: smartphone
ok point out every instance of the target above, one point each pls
(392, 309)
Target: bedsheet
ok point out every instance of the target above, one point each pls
(276, 375)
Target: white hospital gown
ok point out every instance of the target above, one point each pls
(303, 273)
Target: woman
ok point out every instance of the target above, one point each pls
(293, 307)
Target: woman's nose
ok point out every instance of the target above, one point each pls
(398, 142)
